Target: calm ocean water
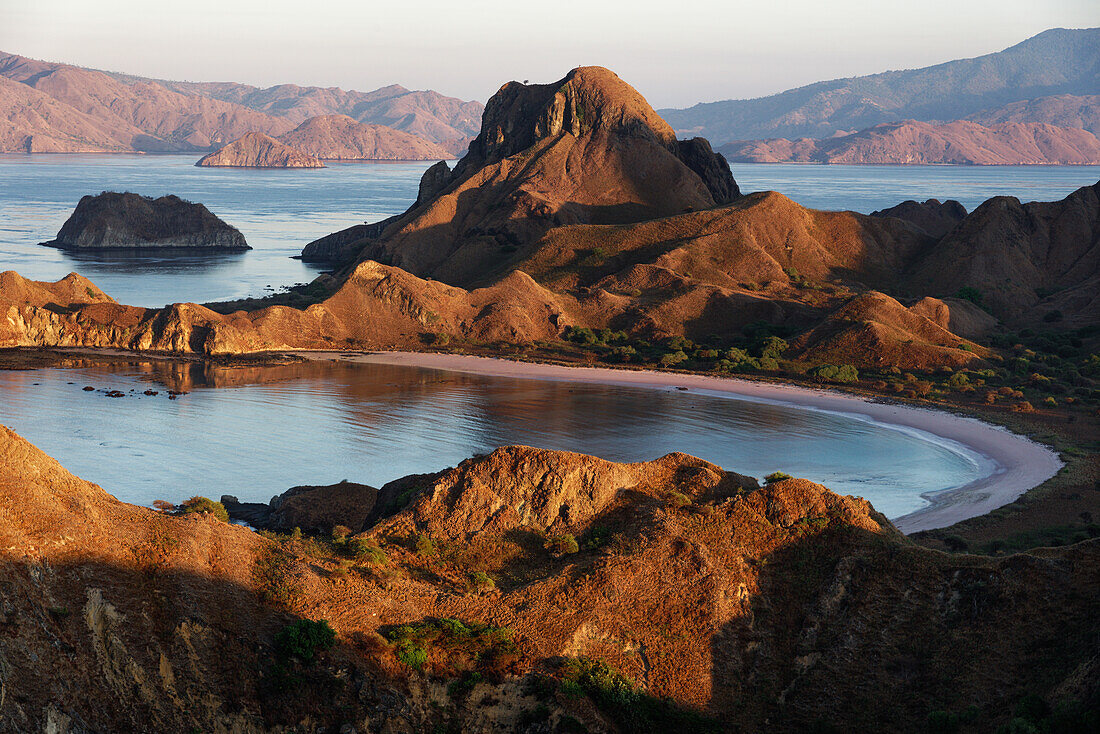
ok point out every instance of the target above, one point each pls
(279, 211)
(254, 432)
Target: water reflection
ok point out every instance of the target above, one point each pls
(254, 431)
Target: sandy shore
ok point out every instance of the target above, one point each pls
(1014, 463)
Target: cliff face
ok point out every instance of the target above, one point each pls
(785, 604)
(338, 137)
(256, 150)
(114, 220)
(923, 143)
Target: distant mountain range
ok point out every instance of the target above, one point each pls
(59, 108)
(1052, 78)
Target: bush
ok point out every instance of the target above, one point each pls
(561, 545)
(1023, 407)
(424, 545)
(481, 581)
(969, 293)
(629, 708)
(456, 646)
(303, 639)
(773, 347)
(205, 506)
(678, 499)
(776, 476)
(843, 373)
(673, 358)
(365, 551)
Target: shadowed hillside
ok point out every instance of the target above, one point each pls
(525, 591)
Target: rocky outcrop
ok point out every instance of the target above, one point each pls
(932, 216)
(315, 509)
(874, 330)
(924, 143)
(338, 137)
(1010, 252)
(113, 220)
(256, 150)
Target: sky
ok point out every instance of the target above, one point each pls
(675, 53)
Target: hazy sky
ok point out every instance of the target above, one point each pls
(675, 53)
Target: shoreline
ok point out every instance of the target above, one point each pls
(1016, 463)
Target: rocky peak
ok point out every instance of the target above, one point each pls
(589, 100)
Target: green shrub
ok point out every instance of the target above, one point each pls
(843, 373)
(969, 293)
(365, 551)
(773, 347)
(456, 646)
(561, 545)
(424, 545)
(673, 358)
(481, 581)
(205, 506)
(303, 639)
(776, 476)
(413, 656)
(678, 499)
(632, 710)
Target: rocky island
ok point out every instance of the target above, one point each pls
(257, 150)
(113, 220)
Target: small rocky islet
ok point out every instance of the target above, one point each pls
(125, 220)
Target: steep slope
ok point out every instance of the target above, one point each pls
(922, 143)
(777, 607)
(1057, 61)
(338, 137)
(1013, 252)
(256, 150)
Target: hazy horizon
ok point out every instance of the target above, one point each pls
(706, 51)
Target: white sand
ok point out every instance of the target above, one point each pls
(1014, 463)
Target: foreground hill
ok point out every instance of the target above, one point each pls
(1055, 62)
(691, 601)
(913, 142)
(59, 108)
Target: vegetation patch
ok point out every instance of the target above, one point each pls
(452, 647)
(631, 709)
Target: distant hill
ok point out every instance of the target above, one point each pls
(340, 138)
(1063, 110)
(60, 108)
(913, 142)
(1055, 62)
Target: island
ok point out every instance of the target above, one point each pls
(256, 150)
(113, 220)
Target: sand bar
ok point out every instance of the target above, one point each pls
(1013, 463)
